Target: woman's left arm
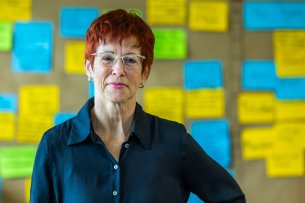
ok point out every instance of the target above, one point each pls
(205, 177)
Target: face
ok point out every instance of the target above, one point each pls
(117, 82)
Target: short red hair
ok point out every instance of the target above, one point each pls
(119, 25)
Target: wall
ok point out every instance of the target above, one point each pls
(230, 47)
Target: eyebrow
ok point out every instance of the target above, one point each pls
(112, 52)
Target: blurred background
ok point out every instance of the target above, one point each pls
(232, 71)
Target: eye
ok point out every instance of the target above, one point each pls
(107, 58)
(130, 60)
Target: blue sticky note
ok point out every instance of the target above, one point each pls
(213, 136)
(33, 47)
(194, 199)
(63, 116)
(259, 75)
(8, 102)
(91, 89)
(74, 22)
(273, 15)
(290, 89)
(203, 74)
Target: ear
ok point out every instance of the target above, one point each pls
(88, 68)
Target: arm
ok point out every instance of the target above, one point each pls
(206, 178)
(41, 185)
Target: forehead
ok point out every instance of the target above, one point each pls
(130, 44)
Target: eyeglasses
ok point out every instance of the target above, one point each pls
(130, 61)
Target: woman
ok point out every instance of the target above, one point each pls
(112, 151)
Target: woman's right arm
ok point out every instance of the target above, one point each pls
(41, 185)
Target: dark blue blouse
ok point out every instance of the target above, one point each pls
(159, 163)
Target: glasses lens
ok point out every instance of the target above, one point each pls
(131, 60)
(108, 59)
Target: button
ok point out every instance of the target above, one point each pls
(126, 145)
(114, 193)
(115, 167)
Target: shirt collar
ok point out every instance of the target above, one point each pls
(82, 125)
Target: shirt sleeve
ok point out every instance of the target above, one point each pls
(41, 185)
(205, 177)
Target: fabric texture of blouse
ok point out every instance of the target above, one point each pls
(159, 163)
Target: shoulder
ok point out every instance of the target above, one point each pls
(167, 125)
(165, 128)
(59, 133)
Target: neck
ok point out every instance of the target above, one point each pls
(112, 120)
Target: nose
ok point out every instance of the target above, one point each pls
(118, 68)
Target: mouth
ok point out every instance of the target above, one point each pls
(117, 85)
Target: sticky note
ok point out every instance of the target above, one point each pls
(194, 199)
(203, 74)
(31, 127)
(170, 43)
(256, 107)
(289, 53)
(33, 52)
(17, 161)
(165, 102)
(161, 12)
(213, 136)
(63, 116)
(27, 189)
(205, 103)
(259, 75)
(8, 102)
(6, 36)
(7, 126)
(74, 62)
(74, 21)
(290, 89)
(39, 99)
(90, 89)
(285, 163)
(273, 15)
(209, 16)
(17, 10)
(256, 142)
(290, 110)
(289, 136)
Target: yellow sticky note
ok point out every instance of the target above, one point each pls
(289, 53)
(17, 10)
(6, 35)
(205, 103)
(7, 126)
(160, 12)
(74, 62)
(285, 163)
(256, 107)
(27, 189)
(289, 136)
(38, 99)
(256, 142)
(209, 15)
(17, 161)
(290, 110)
(164, 102)
(32, 126)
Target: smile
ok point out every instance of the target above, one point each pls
(116, 85)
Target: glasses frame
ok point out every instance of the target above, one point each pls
(116, 57)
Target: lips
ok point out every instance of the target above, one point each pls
(117, 85)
